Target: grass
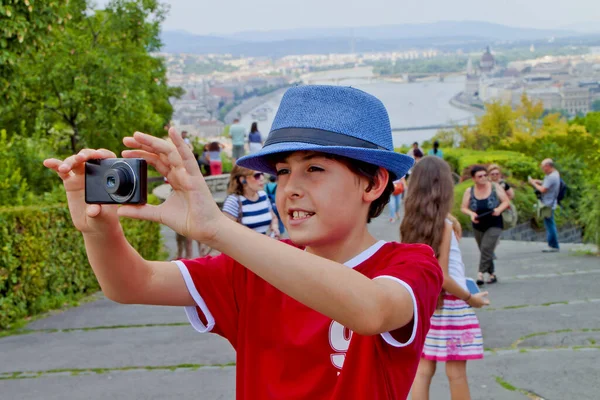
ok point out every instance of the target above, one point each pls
(100, 371)
(87, 329)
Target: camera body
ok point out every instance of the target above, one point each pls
(116, 181)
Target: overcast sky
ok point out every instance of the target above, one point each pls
(230, 16)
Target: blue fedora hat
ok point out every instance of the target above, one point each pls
(331, 119)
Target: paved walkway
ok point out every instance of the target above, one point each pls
(541, 337)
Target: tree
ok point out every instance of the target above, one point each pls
(24, 27)
(98, 81)
(596, 105)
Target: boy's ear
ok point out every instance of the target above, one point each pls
(374, 191)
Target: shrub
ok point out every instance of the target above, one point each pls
(43, 261)
(590, 208)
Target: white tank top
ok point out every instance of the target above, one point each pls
(456, 268)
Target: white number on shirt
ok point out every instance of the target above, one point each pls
(339, 340)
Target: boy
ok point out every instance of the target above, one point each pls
(331, 314)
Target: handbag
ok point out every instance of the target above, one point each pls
(240, 210)
(543, 211)
(510, 217)
(398, 188)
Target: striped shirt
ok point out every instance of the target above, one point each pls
(255, 214)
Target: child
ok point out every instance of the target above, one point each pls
(331, 314)
(455, 336)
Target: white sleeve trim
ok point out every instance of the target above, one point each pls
(191, 311)
(389, 339)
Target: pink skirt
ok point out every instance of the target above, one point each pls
(454, 334)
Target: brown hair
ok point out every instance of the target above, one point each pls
(428, 202)
(492, 167)
(360, 169)
(235, 186)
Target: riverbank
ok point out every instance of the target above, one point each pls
(248, 105)
(460, 102)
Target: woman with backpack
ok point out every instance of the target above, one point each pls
(484, 202)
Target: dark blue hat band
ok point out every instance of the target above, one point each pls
(319, 137)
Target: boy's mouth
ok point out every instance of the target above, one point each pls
(297, 215)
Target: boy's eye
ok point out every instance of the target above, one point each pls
(282, 171)
(313, 168)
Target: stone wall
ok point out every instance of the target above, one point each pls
(217, 183)
(524, 232)
(218, 187)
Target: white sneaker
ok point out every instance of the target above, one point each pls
(550, 250)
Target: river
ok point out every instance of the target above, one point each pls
(423, 103)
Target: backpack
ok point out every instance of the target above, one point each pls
(562, 191)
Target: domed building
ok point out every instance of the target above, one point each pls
(488, 62)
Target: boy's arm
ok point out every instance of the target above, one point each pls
(365, 306)
(123, 274)
(126, 277)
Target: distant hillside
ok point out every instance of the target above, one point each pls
(444, 35)
(479, 29)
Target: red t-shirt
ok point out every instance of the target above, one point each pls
(286, 350)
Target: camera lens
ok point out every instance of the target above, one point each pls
(120, 182)
(110, 181)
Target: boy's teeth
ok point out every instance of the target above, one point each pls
(299, 214)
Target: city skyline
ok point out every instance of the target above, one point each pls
(218, 18)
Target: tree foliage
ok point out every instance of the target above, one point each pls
(97, 82)
(526, 130)
(25, 27)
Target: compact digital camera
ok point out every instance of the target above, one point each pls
(116, 181)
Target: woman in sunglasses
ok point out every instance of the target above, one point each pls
(484, 202)
(248, 204)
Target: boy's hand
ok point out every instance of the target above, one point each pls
(86, 218)
(190, 210)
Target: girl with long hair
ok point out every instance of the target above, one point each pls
(454, 335)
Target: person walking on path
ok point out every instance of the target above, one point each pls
(351, 312)
(549, 189)
(255, 141)
(247, 203)
(495, 175)
(454, 336)
(237, 133)
(213, 157)
(396, 199)
(436, 150)
(484, 202)
(411, 152)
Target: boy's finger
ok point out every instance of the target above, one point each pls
(189, 161)
(150, 158)
(53, 164)
(146, 212)
(134, 144)
(160, 146)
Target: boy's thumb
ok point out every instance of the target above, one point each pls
(145, 212)
(93, 210)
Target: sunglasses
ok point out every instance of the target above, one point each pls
(258, 175)
(481, 176)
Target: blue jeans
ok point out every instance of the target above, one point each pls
(551, 232)
(394, 205)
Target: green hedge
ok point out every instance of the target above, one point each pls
(43, 263)
(515, 165)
